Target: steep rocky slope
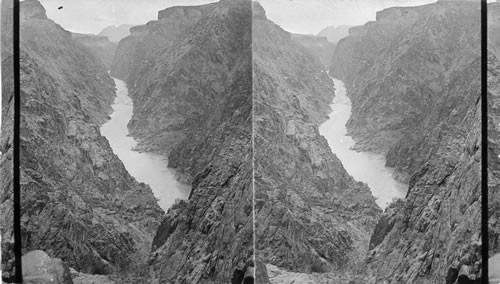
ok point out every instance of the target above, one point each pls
(494, 127)
(310, 215)
(189, 75)
(413, 77)
(116, 33)
(99, 46)
(335, 33)
(78, 202)
(317, 46)
(6, 140)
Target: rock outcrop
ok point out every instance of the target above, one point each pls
(99, 46)
(413, 77)
(78, 202)
(38, 267)
(189, 75)
(310, 214)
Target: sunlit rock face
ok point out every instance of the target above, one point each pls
(78, 202)
(310, 215)
(413, 77)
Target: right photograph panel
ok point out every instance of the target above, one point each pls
(367, 141)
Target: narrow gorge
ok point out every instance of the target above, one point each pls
(149, 168)
(85, 217)
(366, 167)
(78, 202)
(413, 77)
(212, 145)
(311, 216)
(189, 76)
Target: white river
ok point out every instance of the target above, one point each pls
(362, 166)
(145, 167)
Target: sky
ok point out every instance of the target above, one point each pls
(298, 16)
(92, 16)
(311, 16)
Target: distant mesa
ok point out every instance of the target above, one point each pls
(318, 46)
(116, 33)
(335, 33)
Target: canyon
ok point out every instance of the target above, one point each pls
(210, 145)
(362, 166)
(78, 202)
(189, 76)
(413, 77)
(151, 169)
(311, 216)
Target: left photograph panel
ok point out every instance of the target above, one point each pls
(135, 141)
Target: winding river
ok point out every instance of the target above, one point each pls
(145, 167)
(362, 166)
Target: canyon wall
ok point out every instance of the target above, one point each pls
(189, 75)
(413, 77)
(78, 202)
(310, 214)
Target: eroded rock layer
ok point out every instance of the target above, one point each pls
(310, 215)
(189, 75)
(413, 77)
(78, 202)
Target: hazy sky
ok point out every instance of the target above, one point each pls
(91, 16)
(311, 16)
(299, 16)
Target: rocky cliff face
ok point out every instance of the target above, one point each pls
(190, 80)
(78, 201)
(310, 215)
(413, 76)
(99, 46)
(317, 46)
(161, 48)
(494, 127)
(6, 140)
